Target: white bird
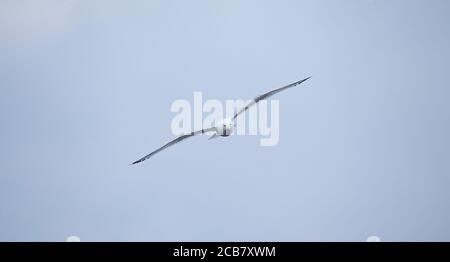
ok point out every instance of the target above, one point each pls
(223, 128)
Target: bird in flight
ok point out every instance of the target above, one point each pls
(223, 128)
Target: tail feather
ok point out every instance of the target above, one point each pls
(213, 136)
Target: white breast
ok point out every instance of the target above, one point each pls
(224, 127)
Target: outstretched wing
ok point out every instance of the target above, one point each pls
(173, 142)
(266, 95)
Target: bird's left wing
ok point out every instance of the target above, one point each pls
(173, 142)
(266, 95)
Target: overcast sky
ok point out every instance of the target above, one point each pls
(86, 88)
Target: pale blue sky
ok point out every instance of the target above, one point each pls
(86, 88)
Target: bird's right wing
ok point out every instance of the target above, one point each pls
(266, 95)
(173, 142)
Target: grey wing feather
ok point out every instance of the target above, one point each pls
(268, 94)
(173, 142)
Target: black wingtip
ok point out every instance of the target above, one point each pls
(301, 81)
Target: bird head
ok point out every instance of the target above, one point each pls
(224, 127)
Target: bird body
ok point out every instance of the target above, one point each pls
(225, 127)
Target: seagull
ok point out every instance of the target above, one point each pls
(224, 127)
